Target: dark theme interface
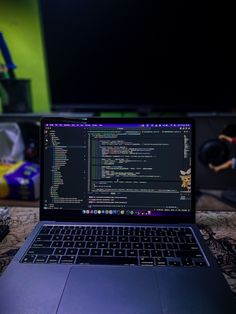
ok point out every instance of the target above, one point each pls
(118, 169)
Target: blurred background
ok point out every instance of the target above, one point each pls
(123, 58)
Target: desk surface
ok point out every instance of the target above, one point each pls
(216, 221)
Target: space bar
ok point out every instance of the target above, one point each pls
(107, 260)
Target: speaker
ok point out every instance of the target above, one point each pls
(16, 95)
(209, 149)
(214, 152)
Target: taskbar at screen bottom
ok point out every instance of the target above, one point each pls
(137, 212)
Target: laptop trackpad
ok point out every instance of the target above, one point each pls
(116, 290)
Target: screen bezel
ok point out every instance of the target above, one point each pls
(72, 216)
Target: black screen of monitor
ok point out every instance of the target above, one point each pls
(167, 55)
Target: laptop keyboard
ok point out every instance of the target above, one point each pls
(109, 245)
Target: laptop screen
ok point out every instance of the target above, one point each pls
(117, 168)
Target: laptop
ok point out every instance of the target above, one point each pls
(117, 229)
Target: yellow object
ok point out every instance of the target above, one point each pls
(6, 169)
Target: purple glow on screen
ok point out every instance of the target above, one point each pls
(144, 125)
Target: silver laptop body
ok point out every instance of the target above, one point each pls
(120, 177)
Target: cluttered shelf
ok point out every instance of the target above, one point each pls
(18, 203)
(19, 163)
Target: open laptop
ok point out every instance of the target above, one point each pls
(117, 232)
